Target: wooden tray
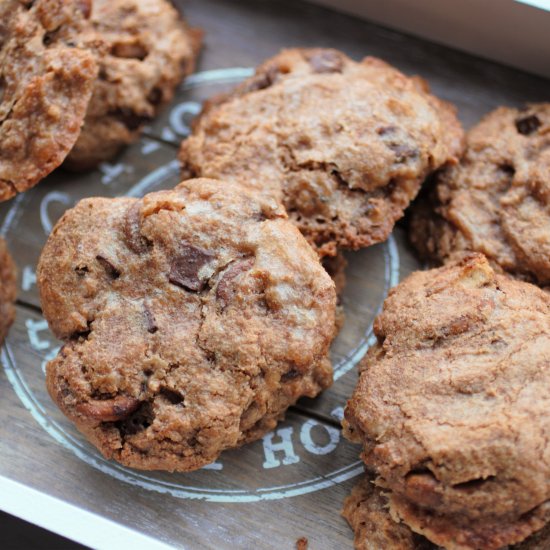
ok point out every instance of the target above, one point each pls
(292, 483)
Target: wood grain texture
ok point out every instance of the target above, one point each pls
(39, 447)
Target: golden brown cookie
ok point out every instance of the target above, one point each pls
(453, 405)
(150, 48)
(7, 290)
(497, 200)
(344, 145)
(192, 320)
(47, 71)
(368, 514)
(336, 266)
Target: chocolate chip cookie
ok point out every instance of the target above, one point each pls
(453, 405)
(149, 50)
(336, 266)
(367, 512)
(191, 318)
(7, 290)
(47, 72)
(497, 200)
(344, 145)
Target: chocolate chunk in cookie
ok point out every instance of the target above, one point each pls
(192, 320)
(7, 290)
(527, 125)
(47, 72)
(497, 200)
(344, 145)
(453, 405)
(188, 269)
(150, 48)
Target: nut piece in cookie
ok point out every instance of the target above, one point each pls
(150, 48)
(497, 200)
(344, 145)
(453, 405)
(7, 290)
(47, 71)
(192, 319)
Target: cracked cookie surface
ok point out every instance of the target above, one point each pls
(452, 405)
(7, 290)
(497, 200)
(47, 71)
(367, 512)
(191, 318)
(149, 49)
(344, 145)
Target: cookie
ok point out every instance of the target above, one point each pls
(453, 405)
(192, 319)
(497, 200)
(149, 50)
(336, 266)
(367, 512)
(47, 71)
(344, 145)
(7, 290)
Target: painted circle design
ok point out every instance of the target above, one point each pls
(144, 480)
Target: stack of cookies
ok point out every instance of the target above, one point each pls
(453, 402)
(453, 411)
(193, 318)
